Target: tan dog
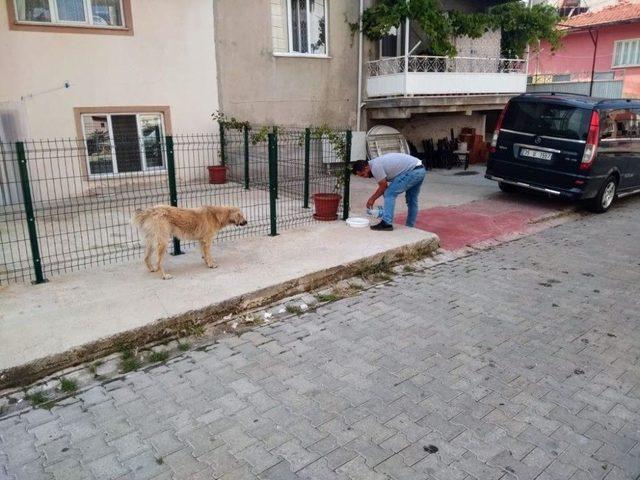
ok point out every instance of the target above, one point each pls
(158, 224)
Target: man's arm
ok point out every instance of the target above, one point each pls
(382, 186)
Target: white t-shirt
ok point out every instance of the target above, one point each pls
(390, 165)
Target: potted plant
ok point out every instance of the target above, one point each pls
(327, 203)
(218, 173)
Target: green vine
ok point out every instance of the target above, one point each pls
(336, 139)
(521, 26)
(338, 142)
(231, 123)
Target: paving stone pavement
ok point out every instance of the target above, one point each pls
(517, 362)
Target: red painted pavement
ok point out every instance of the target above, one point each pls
(472, 223)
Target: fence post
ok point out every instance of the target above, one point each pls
(223, 155)
(246, 157)
(307, 152)
(28, 210)
(173, 191)
(273, 181)
(347, 175)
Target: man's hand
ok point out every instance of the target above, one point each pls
(382, 186)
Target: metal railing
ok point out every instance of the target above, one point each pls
(61, 210)
(439, 64)
(605, 84)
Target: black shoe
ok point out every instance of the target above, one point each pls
(383, 226)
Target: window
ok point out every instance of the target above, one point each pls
(620, 124)
(123, 142)
(92, 13)
(548, 119)
(299, 27)
(627, 53)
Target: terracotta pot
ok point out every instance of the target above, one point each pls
(217, 174)
(326, 206)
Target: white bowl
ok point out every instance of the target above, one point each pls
(358, 222)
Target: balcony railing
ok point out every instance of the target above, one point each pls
(605, 84)
(432, 75)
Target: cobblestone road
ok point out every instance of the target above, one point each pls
(519, 362)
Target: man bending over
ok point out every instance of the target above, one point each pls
(395, 173)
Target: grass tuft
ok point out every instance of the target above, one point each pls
(129, 361)
(38, 398)
(295, 309)
(373, 272)
(328, 297)
(67, 385)
(184, 346)
(155, 357)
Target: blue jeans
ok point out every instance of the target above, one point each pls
(409, 182)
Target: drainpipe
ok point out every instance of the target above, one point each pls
(360, 46)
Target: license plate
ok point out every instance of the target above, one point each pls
(526, 152)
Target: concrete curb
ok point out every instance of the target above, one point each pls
(212, 315)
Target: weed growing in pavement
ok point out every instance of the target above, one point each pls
(184, 346)
(93, 368)
(327, 297)
(129, 361)
(67, 385)
(155, 357)
(38, 399)
(375, 272)
(194, 329)
(295, 309)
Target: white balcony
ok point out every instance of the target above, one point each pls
(445, 76)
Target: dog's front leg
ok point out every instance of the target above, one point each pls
(206, 253)
(161, 249)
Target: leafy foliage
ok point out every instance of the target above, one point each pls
(520, 25)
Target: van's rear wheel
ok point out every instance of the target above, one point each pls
(605, 197)
(507, 187)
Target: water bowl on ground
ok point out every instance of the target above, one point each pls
(357, 222)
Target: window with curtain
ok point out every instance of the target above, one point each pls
(99, 13)
(123, 142)
(299, 26)
(627, 53)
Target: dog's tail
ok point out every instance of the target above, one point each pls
(139, 217)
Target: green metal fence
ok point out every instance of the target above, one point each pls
(66, 204)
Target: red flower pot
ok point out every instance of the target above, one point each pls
(326, 206)
(217, 174)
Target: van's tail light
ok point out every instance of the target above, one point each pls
(592, 142)
(494, 140)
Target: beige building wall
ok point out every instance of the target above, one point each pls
(266, 88)
(168, 61)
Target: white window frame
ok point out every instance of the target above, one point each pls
(88, 15)
(112, 145)
(291, 53)
(618, 44)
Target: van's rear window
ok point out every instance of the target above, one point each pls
(548, 119)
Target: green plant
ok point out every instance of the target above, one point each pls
(295, 309)
(376, 271)
(93, 368)
(261, 135)
(328, 297)
(338, 142)
(67, 385)
(38, 398)
(230, 123)
(155, 357)
(129, 361)
(521, 26)
(184, 346)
